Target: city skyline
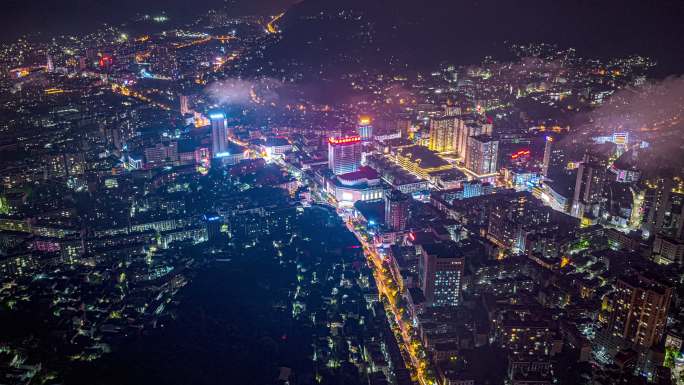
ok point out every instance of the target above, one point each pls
(342, 192)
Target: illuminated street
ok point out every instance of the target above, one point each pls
(388, 291)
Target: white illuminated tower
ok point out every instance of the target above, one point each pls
(344, 154)
(184, 104)
(49, 65)
(219, 133)
(548, 149)
(365, 128)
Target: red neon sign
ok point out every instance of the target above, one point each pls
(346, 140)
(105, 61)
(520, 153)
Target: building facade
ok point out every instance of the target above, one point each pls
(219, 133)
(638, 312)
(482, 155)
(344, 154)
(440, 273)
(396, 210)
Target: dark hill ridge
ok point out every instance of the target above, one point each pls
(50, 17)
(421, 33)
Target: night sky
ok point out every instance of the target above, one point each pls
(651, 28)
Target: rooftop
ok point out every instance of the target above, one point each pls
(276, 142)
(363, 175)
(426, 158)
(442, 249)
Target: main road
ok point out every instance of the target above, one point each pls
(388, 289)
(270, 26)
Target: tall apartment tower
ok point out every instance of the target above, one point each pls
(440, 271)
(591, 178)
(344, 154)
(396, 210)
(639, 310)
(443, 134)
(219, 133)
(548, 151)
(482, 155)
(184, 101)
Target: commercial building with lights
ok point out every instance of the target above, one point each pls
(161, 154)
(625, 169)
(361, 185)
(420, 161)
(554, 195)
(276, 146)
(667, 250)
(344, 154)
(233, 154)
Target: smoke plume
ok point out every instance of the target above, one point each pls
(653, 112)
(653, 107)
(243, 92)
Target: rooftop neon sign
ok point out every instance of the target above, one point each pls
(520, 153)
(345, 140)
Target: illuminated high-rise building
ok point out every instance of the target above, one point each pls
(443, 134)
(49, 66)
(404, 127)
(219, 133)
(664, 207)
(440, 271)
(113, 136)
(452, 110)
(396, 210)
(213, 223)
(466, 129)
(668, 250)
(621, 139)
(548, 150)
(591, 178)
(482, 155)
(184, 104)
(365, 128)
(344, 154)
(82, 63)
(161, 154)
(638, 310)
